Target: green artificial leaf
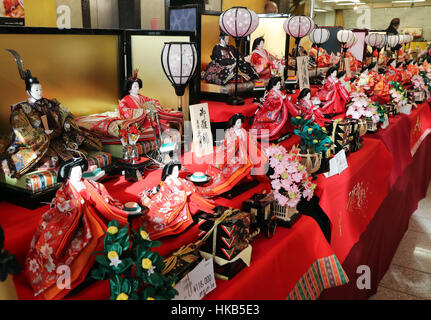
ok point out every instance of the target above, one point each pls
(115, 285)
(103, 260)
(98, 274)
(126, 286)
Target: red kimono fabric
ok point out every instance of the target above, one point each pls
(70, 231)
(263, 63)
(334, 97)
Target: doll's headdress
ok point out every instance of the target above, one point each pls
(24, 74)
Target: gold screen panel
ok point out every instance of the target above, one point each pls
(81, 71)
(209, 37)
(275, 36)
(146, 56)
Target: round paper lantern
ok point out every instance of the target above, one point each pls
(384, 42)
(298, 26)
(319, 36)
(351, 42)
(238, 22)
(393, 40)
(344, 36)
(179, 61)
(374, 40)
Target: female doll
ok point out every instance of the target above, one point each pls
(265, 64)
(236, 159)
(332, 95)
(42, 129)
(307, 109)
(221, 69)
(272, 117)
(172, 204)
(70, 231)
(392, 73)
(134, 108)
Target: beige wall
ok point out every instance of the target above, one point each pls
(255, 5)
(75, 11)
(325, 19)
(381, 17)
(152, 9)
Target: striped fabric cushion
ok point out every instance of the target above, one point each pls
(42, 180)
(100, 159)
(146, 146)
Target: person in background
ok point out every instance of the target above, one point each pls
(393, 29)
(271, 7)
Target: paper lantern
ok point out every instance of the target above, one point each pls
(393, 40)
(374, 40)
(350, 43)
(384, 42)
(298, 26)
(319, 36)
(344, 36)
(238, 22)
(179, 61)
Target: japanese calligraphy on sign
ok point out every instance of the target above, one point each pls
(201, 126)
(302, 73)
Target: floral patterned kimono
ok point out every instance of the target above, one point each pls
(272, 116)
(381, 92)
(307, 110)
(221, 69)
(392, 74)
(171, 208)
(234, 161)
(265, 64)
(69, 233)
(130, 110)
(31, 148)
(333, 96)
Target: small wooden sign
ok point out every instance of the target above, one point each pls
(302, 73)
(201, 127)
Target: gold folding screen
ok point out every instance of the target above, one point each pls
(81, 71)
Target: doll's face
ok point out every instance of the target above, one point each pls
(36, 91)
(134, 89)
(175, 172)
(224, 40)
(277, 85)
(393, 64)
(260, 46)
(308, 96)
(334, 74)
(238, 124)
(75, 174)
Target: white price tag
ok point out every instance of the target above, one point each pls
(385, 122)
(337, 164)
(197, 283)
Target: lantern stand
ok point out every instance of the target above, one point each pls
(318, 41)
(235, 100)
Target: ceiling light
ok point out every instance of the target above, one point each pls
(320, 10)
(407, 1)
(337, 1)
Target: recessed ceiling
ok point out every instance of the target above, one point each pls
(349, 4)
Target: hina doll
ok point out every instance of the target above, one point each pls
(392, 74)
(236, 159)
(272, 117)
(221, 69)
(43, 131)
(172, 204)
(134, 108)
(307, 109)
(265, 64)
(71, 231)
(332, 94)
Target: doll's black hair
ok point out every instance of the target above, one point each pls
(234, 118)
(256, 42)
(399, 64)
(129, 82)
(371, 66)
(341, 74)
(66, 168)
(330, 70)
(222, 34)
(389, 62)
(303, 93)
(29, 82)
(272, 82)
(169, 168)
(352, 79)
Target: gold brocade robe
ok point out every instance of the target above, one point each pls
(31, 147)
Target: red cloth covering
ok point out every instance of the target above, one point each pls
(275, 268)
(420, 120)
(380, 241)
(351, 199)
(396, 138)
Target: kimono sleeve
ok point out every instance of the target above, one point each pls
(24, 131)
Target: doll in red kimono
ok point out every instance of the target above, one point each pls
(70, 231)
(237, 159)
(392, 73)
(307, 109)
(134, 108)
(272, 117)
(333, 96)
(172, 204)
(265, 64)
